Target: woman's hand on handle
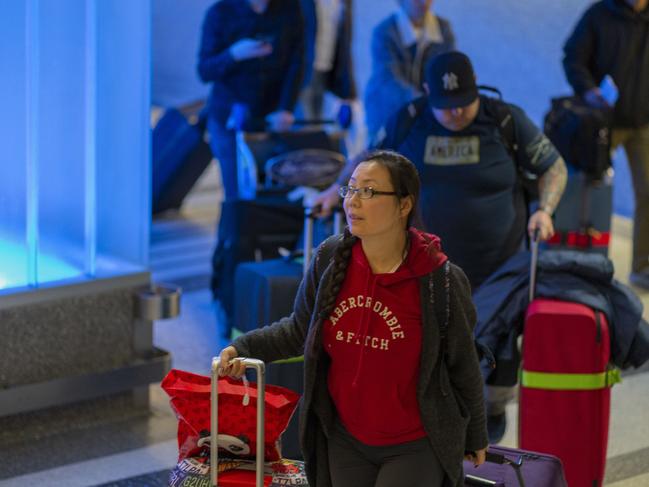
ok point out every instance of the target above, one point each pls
(478, 457)
(231, 365)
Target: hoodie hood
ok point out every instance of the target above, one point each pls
(424, 256)
(623, 9)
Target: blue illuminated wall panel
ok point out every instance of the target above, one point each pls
(13, 258)
(74, 181)
(60, 115)
(123, 129)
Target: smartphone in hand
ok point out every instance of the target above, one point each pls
(609, 90)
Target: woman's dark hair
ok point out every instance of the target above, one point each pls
(405, 180)
(403, 176)
(330, 293)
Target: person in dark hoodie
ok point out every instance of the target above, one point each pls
(612, 38)
(392, 387)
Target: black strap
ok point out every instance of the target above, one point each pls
(440, 285)
(502, 114)
(526, 182)
(407, 117)
(326, 253)
(440, 295)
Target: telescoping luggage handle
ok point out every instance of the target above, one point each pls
(310, 214)
(534, 252)
(260, 368)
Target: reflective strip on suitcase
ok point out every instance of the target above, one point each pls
(566, 382)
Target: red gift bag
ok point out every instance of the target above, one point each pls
(190, 400)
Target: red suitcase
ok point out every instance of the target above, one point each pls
(565, 385)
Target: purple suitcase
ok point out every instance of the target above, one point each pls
(509, 467)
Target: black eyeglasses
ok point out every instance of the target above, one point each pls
(364, 193)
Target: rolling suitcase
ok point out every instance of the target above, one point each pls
(265, 292)
(510, 467)
(251, 230)
(291, 474)
(582, 221)
(179, 156)
(263, 219)
(565, 383)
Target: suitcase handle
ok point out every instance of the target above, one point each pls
(534, 249)
(502, 459)
(310, 214)
(260, 368)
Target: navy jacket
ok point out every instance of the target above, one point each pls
(579, 277)
(264, 84)
(612, 39)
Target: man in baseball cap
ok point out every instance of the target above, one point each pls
(452, 90)
(451, 81)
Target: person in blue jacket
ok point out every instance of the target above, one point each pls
(252, 53)
(402, 44)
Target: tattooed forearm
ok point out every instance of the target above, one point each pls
(551, 186)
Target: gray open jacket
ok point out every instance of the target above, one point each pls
(449, 391)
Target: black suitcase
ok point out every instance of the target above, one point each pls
(265, 292)
(582, 220)
(179, 157)
(251, 230)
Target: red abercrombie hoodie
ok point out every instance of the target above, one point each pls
(373, 337)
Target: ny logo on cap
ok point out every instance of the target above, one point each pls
(450, 81)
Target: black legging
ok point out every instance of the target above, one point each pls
(354, 464)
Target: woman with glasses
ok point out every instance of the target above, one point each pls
(392, 387)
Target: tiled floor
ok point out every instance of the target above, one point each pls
(106, 449)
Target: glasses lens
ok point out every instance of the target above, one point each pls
(343, 191)
(366, 193)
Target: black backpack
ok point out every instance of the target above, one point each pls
(581, 134)
(502, 116)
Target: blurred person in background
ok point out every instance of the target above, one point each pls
(329, 68)
(612, 38)
(252, 53)
(402, 44)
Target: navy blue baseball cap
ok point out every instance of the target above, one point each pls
(451, 80)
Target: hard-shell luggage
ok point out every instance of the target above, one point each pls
(254, 226)
(582, 221)
(510, 467)
(251, 230)
(179, 156)
(565, 382)
(265, 292)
